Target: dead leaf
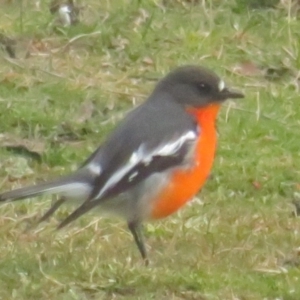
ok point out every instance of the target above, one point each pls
(296, 211)
(16, 168)
(9, 77)
(256, 185)
(292, 260)
(276, 73)
(37, 46)
(86, 110)
(247, 68)
(28, 237)
(33, 148)
(142, 17)
(66, 132)
(148, 61)
(119, 43)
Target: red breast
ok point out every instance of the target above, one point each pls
(185, 184)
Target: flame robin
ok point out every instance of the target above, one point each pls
(154, 162)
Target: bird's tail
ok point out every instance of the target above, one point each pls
(77, 185)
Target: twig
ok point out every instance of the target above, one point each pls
(227, 111)
(13, 62)
(271, 271)
(96, 266)
(47, 276)
(76, 38)
(85, 227)
(255, 113)
(258, 107)
(124, 93)
(21, 16)
(289, 53)
(233, 249)
(3, 181)
(50, 73)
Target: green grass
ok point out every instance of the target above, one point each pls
(240, 241)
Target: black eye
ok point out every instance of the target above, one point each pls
(203, 87)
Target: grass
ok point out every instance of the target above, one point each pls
(240, 241)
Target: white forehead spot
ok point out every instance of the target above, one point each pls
(221, 85)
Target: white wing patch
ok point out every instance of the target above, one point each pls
(144, 156)
(173, 147)
(221, 85)
(94, 168)
(132, 176)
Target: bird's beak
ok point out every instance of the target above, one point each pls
(233, 94)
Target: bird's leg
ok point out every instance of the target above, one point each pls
(52, 209)
(135, 229)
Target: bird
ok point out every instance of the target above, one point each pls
(155, 161)
(67, 11)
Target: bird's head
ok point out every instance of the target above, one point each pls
(196, 87)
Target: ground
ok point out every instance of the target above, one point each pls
(66, 90)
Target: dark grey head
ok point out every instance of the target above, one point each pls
(195, 86)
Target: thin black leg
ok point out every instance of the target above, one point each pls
(135, 229)
(52, 209)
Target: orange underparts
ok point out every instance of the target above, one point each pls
(184, 185)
